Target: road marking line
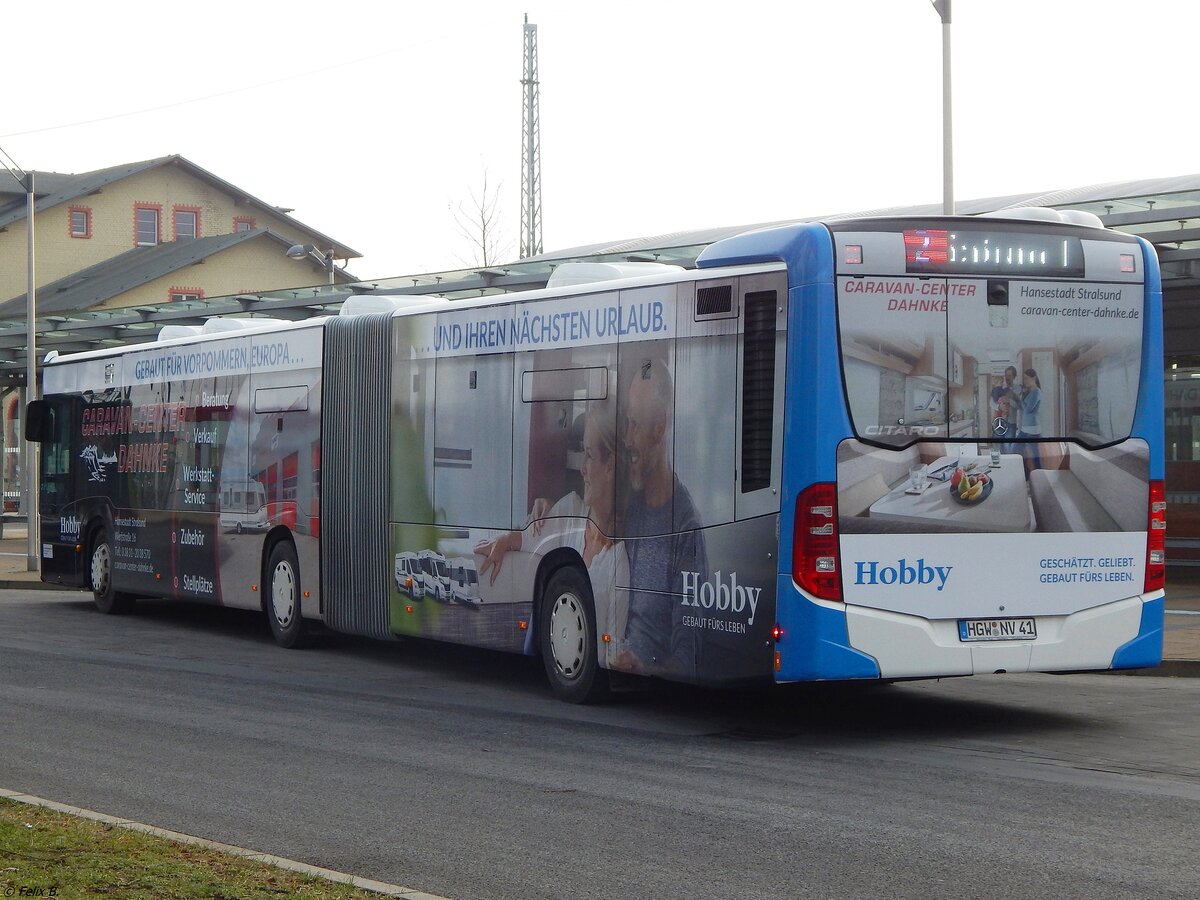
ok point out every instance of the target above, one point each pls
(1182, 612)
(379, 887)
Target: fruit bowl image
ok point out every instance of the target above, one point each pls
(970, 490)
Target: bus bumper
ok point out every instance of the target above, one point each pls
(1145, 650)
(814, 644)
(64, 564)
(1123, 634)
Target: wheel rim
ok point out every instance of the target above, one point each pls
(101, 568)
(568, 635)
(283, 594)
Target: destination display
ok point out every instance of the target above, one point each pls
(938, 251)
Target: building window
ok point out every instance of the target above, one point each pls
(186, 222)
(185, 294)
(243, 223)
(145, 220)
(80, 222)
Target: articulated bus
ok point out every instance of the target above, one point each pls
(876, 448)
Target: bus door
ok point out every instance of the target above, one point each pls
(60, 521)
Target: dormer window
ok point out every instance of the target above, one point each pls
(145, 220)
(185, 295)
(80, 222)
(186, 223)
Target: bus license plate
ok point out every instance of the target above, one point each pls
(997, 629)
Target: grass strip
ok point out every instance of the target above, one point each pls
(44, 853)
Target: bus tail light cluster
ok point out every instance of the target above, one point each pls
(815, 560)
(1156, 538)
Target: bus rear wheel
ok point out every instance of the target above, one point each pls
(567, 638)
(283, 597)
(100, 577)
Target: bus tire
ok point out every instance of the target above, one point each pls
(567, 638)
(109, 601)
(283, 595)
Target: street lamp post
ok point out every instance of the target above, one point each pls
(32, 520)
(29, 450)
(308, 251)
(943, 10)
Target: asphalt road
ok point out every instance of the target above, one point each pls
(455, 772)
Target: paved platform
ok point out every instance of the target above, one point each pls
(1181, 642)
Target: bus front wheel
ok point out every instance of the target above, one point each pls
(283, 597)
(567, 638)
(100, 577)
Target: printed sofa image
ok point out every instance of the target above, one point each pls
(1095, 490)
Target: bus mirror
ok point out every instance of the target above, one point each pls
(37, 420)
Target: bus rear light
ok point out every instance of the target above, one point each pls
(778, 661)
(815, 542)
(776, 633)
(854, 256)
(1156, 539)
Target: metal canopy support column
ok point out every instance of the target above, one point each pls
(4, 392)
(29, 452)
(943, 10)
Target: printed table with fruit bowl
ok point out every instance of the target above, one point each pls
(1002, 506)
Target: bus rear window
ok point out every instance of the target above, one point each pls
(990, 358)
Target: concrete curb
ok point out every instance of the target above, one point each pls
(379, 887)
(1170, 668)
(13, 585)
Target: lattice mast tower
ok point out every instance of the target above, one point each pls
(531, 151)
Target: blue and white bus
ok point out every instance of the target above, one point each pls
(857, 449)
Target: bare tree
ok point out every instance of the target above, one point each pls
(479, 222)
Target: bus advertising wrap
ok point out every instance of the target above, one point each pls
(190, 451)
(555, 430)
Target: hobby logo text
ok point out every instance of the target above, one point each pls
(723, 595)
(903, 572)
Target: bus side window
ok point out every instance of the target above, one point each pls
(472, 445)
(706, 358)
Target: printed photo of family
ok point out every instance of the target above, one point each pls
(636, 541)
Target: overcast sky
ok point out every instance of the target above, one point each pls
(374, 121)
